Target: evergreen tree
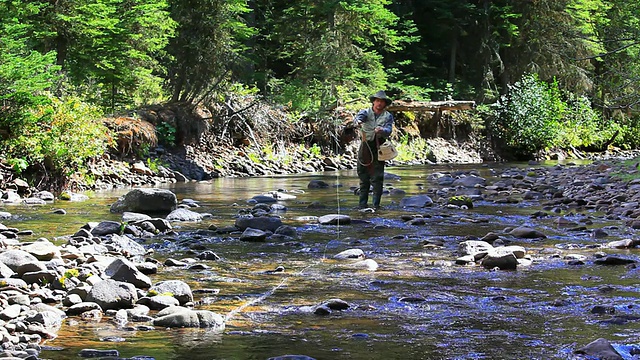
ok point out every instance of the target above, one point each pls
(25, 74)
(207, 47)
(313, 53)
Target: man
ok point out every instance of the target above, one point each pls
(375, 124)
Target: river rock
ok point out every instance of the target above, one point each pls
(129, 217)
(334, 219)
(263, 199)
(154, 225)
(623, 244)
(180, 317)
(469, 181)
(501, 260)
(43, 249)
(124, 246)
(317, 184)
(146, 201)
(179, 289)
(14, 258)
(105, 228)
(5, 271)
(418, 201)
(158, 302)
(475, 248)
(182, 214)
(600, 349)
(125, 271)
(366, 264)
(613, 260)
(82, 307)
(111, 294)
(288, 231)
(33, 201)
(350, 254)
(264, 223)
(280, 195)
(11, 197)
(253, 235)
(45, 195)
(527, 233)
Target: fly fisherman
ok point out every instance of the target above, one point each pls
(375, 124)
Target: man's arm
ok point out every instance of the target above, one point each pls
(360, 117)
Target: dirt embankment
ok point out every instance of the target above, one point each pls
(245, 137)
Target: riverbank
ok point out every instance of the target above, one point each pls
(209, 159)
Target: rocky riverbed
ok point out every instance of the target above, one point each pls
(105, 271)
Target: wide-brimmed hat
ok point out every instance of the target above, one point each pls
(380, 95)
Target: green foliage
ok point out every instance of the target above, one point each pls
(527, 118)
(255, 158)
(153, 292)
(629, 137)
(166, 134)
(25, 74)
(412, 149)
(71, 273)
(108, 49)
(208, 45)
(18, 165)
(326, 52)
(66, 134)
(155, 164)
(461, 201)
(582, 126)
(315, 150)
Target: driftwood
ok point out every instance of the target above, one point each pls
(401, 105)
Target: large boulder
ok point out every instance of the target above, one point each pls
(146, 201)
(180, 317)
(418, 201)
(264, 223)
(111, 294)
(14, 258)
(179, 289)
(126, 271)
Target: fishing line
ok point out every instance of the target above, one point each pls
(283, 282)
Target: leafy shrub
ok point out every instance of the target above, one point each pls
(527, 118)
(411, 149)
(65, 135)
(629, 137)
(582, 126)
(166, 134)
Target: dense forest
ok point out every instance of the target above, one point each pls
(544, 73)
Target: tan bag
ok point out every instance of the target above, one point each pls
(387, 151)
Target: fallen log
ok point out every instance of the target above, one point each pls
(419, 106)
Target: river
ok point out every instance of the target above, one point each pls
(417, 305)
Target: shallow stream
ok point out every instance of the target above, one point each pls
(417, 305)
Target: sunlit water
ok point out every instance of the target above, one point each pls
(418, 305)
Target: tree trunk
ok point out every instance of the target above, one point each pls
(452, 60)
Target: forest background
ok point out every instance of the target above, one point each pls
(544, 73)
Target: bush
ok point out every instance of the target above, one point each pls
(582, 126)
(629, 137)
(526, 119)
(66, 134)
